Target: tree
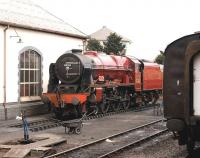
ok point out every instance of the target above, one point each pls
(160, 58)
(94, 45)
(114, 44)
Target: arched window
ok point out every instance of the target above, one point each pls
(30, 75)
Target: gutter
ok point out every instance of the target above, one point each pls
(43, 30)
(4, 71)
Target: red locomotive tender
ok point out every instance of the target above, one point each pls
(96, 82)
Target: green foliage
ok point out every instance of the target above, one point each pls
(160, 58)
(113, 44)
(94, 45)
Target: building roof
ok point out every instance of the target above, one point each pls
(104, 32)
(26, 14)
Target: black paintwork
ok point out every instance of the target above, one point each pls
(71, 67)
(177, 87)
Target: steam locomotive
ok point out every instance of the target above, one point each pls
(95, 82)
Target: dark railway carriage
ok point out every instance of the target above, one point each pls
(96, 82)
(181, 89)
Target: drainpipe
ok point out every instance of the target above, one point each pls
(4, 72)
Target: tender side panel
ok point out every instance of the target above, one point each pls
(152, 77)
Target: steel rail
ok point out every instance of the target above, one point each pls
(137, 109)
(56, 123)
(103, 139)
(110, 154)
(44, 124)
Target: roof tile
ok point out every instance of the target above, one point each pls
(104, 32)
(26, 13)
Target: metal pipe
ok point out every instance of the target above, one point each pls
(4, 72)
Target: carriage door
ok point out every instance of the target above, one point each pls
(196, 85)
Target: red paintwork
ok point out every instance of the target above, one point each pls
(53, 98)
(66, 98)
(99, 94)
(137, 80)
(153, 77)
(115, 70)
(121, 69)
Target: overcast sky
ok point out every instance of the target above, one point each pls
(150, 24)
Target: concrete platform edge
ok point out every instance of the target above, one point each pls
(31, 109)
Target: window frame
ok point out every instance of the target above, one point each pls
(37, 79)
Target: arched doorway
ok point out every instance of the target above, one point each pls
(30, 75)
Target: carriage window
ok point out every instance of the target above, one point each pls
(30, 74)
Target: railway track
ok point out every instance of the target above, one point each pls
(47, 123)
(135, 109)
(108, 146)
(39, 125)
